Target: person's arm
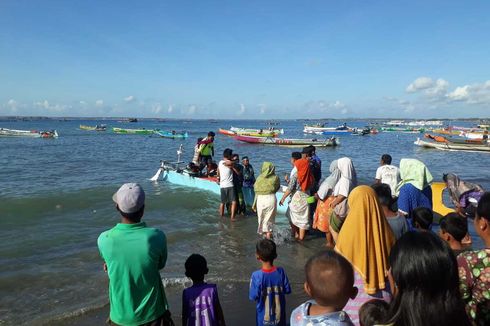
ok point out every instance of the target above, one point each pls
(184, 310)
(217, 174)
(338, 199)
(286, 194)
(291, 186)
(287, 286)
(377, 179)
(163, 254)
(220, 317)
(254, 291)
(403, 202)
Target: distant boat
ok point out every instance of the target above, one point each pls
(133, 131)
(94, 128)
(133, 120)
(28, 133)
(288, 142)
(451, 146)
(171, 134)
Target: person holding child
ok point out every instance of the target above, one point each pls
(200, 303)
(365, 241)
(269, 286)
(330, 284)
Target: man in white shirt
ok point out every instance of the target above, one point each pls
(225, 180)
(387, 173)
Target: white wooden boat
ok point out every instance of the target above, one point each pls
(4, 132)
(453, 146)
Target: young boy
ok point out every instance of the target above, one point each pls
(200, 303)
(268, 287)
(330, 283)
(373, 312)
(396, 220)
(453, 229)
(422, 219)
(387, 173)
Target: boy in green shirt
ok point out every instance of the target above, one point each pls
(133, 255)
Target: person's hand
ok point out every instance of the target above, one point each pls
(316, 196)
(105, 267)
(332, 204)
(281, 202)
(286, 178)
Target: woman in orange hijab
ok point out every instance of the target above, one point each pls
(365, 240)
(299, 187)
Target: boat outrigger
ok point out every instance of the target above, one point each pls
(174, 172)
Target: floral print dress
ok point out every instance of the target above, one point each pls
(474, 275)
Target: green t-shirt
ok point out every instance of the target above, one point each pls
(134, 254)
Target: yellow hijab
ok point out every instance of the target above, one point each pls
(366, 238)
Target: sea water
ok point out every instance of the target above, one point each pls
(56, 199)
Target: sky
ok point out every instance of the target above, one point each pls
(245, 59)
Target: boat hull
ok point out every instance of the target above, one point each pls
(449, 146)
(287, 142)
(172, 135)
(28, 133)
(133, 131)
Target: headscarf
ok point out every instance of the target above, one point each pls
(348, 177)
(458, 187)
(365, 239)
(305, 175)
(267, 182)
(329, 183)
(415, 172)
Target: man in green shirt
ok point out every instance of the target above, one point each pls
(207, 149)
(133, 255)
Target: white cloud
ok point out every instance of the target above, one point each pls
(478, 93)
(191, 109)
(438, 89)
(129, 99)
(344, 111)
(99, 103)
(83, 103)
(338, 105)
(242, 109)
(262, 108)
(420, 84)
(170, 108)
(156, 108)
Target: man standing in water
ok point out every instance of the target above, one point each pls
(226, 167)
(133, 255)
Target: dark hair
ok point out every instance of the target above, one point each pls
(311, 148)
(425, 272)
(423, 217)
(384, 193)
(245, 158)
(483, 209)
(135, 216)
(329, 276)
(236, 155)
(307, 150)
(386, 159)
(455, 225)
(228, 153)
(196, 267)
(266, 250)
(211, 134)
(373, 312)
(199, 139)
(296, 155)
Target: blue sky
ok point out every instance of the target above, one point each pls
(245, 59)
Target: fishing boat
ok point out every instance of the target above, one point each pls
(289, 142)
(408, 130)
(142, 131)
(275, 131)
(171, 134)
(4, 132)
(451, 146)
(94, 128)
(173, 172)
(226, 132)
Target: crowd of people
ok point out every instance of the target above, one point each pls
(384, 265)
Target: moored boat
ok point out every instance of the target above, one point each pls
(173, 173)
(171, 134)
(275, 131)
(226, 132)
(451, 146)
(289, 142)
(4, 132)
(133, 131)
(95, 128)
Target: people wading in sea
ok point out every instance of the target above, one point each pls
(248, 181)
(226, 167)
(265, 202)
(133, 256)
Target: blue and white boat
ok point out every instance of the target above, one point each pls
(174, 173)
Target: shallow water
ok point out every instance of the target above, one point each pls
(56, 200)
